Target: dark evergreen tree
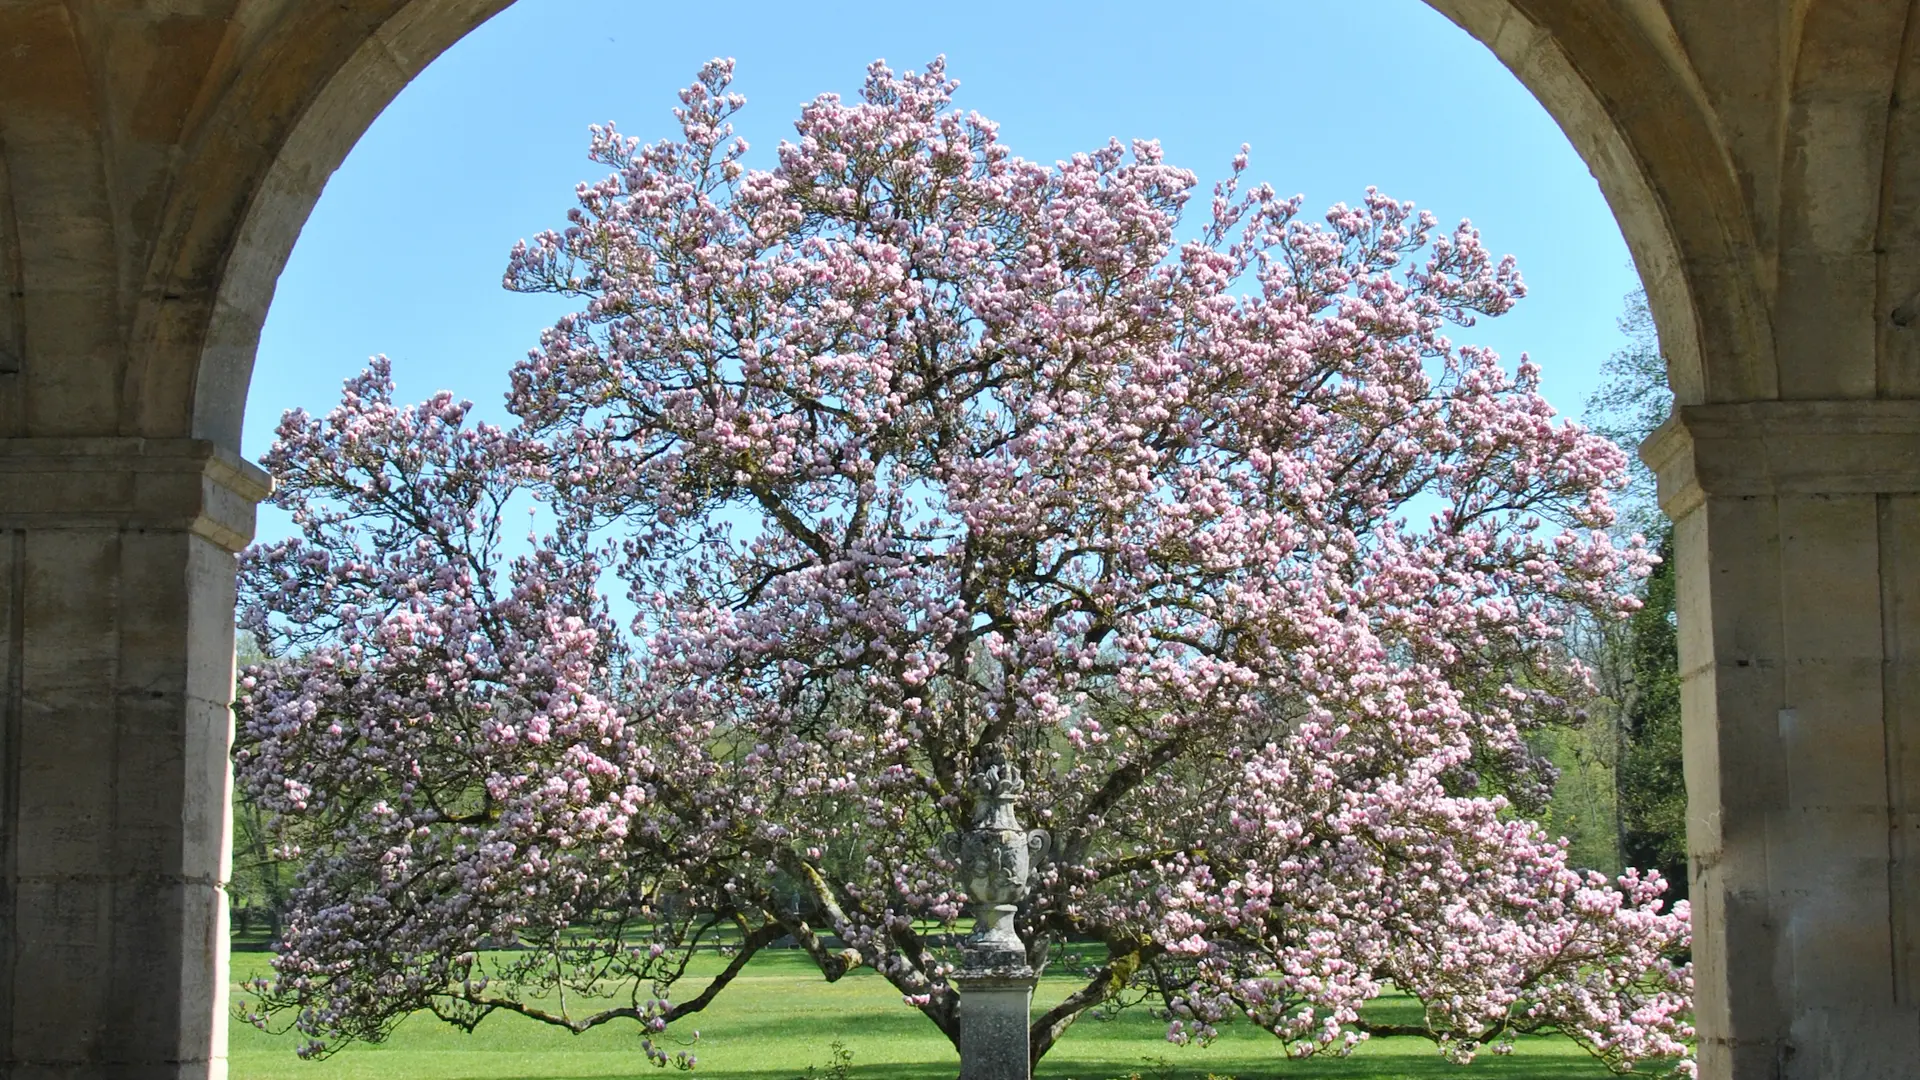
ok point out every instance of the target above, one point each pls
(1650, 784)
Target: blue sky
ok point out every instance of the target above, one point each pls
(404, 253)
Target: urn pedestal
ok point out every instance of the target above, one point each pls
(996, 859)
(994, 1014)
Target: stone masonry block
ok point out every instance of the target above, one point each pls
(63, 968)
(1828, 877)
(1743, 723)
(1830, 577)
(1738, 970)
(71, 584)
(1827, 357)
(150, 785)
(1743, 545)
(210, 580)
(65, 794)
(1694, 597)
(165, 970)
(206, 806)
(156, 600)
(1700, 759)
(1853, 1043)
(1833, 739)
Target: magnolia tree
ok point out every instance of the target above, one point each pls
(911, 454)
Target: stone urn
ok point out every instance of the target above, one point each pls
(997, 857)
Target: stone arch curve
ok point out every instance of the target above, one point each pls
(1616, 80)
(349, 88)
(1619, 88)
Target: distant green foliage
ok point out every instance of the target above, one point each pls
(1584, 809)
(1621, 797)
(1652, 787)
(1644, 662)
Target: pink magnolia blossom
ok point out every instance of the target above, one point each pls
(906, 452)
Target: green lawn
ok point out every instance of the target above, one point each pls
(779, 1017)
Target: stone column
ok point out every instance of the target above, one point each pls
(1797, 529)
(116, 675)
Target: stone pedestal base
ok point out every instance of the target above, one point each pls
(994, 1014)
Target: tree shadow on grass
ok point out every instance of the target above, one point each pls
(1378, 1068)
(1351, 1069)
(773, 1023)
(876, 1038)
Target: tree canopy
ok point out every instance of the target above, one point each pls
(906, 453)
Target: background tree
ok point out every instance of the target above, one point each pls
(912, 454)
(1650, 779)
(1583, 753)
(1633, 399)
(1639, 661)
(1620, 797)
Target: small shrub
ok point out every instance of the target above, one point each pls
(839, 1064)
(1161, 1069)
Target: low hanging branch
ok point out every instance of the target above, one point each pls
(1106, 985)
(485, 1003)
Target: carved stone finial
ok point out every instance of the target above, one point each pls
(995, 779)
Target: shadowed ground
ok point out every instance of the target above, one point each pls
(779, 1017)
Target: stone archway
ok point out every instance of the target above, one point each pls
(157, 162)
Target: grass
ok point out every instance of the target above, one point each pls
(779, 1017)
